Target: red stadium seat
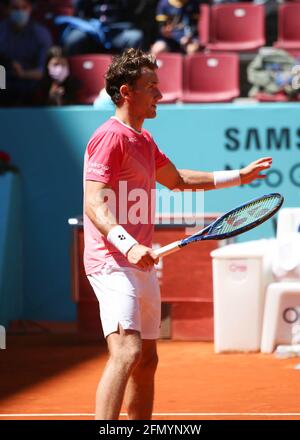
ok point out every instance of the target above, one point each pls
(170, 72)
(276, 97)
(211, 77)
(46, 11)
(203, 25)
(89, 70)
(237, 27)
(288, 26)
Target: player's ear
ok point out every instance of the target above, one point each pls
(125, 91)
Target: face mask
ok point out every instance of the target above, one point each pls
(59, 72)
(19, 18)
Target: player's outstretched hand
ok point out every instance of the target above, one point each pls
(253, 170)
(142, 256)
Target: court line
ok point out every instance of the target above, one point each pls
(154, 414)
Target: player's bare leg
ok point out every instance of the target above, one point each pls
(139, 394)
(125, 351)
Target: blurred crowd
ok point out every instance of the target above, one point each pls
(37, 37)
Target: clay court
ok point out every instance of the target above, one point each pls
(54, 376)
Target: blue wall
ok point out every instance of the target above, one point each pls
(11, 258)
(48, 146)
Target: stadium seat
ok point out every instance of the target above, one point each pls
(203, 25)
(89, 70)
(288, 27)
(46, 11)
(276, 97)
(170, 67)
(211, 77)
(237, 27)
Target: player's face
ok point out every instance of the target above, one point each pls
(145, 94)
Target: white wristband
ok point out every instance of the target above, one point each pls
(121, 239)
(224, 179)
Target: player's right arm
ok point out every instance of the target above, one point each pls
(98, 205)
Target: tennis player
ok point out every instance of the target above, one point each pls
(121, 165)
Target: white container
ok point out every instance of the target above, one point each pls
(281, 316)
(241, 273)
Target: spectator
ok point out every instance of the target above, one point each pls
(58, 87)
(100, 26)
(23, 49)
(271, 72)
(143, 14)
(178, 26)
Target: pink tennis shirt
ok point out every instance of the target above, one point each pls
(126, 160)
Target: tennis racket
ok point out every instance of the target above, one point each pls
(234, 222)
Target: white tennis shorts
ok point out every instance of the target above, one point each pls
(130, 297)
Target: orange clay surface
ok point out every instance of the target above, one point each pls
(54, 376)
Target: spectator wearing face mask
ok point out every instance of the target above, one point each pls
(58, 87)
(23, 49)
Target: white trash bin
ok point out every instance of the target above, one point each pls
(241, 273)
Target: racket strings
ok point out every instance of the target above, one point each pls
(245, 215)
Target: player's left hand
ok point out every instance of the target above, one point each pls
(252, 171)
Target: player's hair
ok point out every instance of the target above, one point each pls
(126, 69)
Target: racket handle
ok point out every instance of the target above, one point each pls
(168, 249)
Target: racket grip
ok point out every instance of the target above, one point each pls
(168, 249)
